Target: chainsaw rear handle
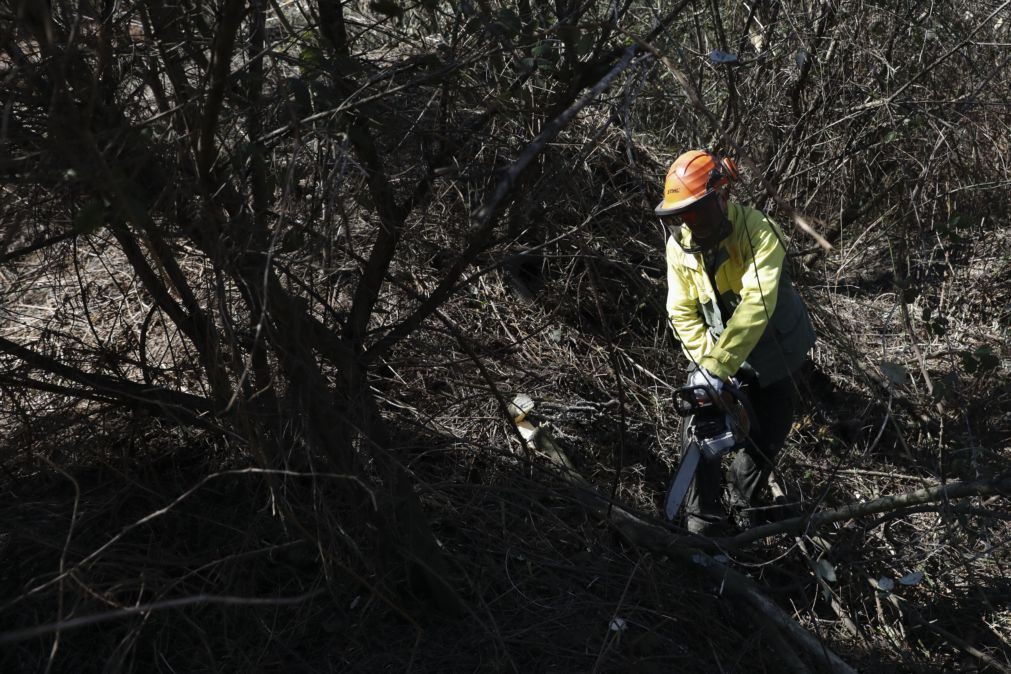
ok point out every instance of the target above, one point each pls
(690, 399)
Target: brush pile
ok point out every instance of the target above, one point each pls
(271, 273)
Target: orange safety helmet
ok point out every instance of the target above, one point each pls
(693, 176)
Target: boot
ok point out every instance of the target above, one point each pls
(711, 522)
(742, 513)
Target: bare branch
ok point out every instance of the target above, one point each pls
(485, 216)
(809, 524)
(14, 636)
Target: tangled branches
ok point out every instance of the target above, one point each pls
(271, 270)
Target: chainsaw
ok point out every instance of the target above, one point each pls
(715, 425)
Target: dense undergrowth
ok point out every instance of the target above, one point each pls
(269, 281)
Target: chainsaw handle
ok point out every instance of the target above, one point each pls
(689, 401)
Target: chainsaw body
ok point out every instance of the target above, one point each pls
(715, 426)
(718, 424)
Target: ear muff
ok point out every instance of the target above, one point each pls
(729, 169)
(723, 173)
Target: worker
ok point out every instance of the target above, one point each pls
(731, 305)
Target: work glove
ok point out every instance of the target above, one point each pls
(703, 377)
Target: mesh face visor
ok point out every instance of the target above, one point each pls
(706, 221)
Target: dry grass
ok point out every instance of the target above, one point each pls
(136, 540)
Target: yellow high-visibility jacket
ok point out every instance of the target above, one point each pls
(766, 326)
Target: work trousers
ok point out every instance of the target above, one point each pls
(749, 471)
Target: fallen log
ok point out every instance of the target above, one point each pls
(687, 549)
(807, 524)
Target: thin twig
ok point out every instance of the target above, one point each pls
(949, 491)
(181, 602)
(744, 157)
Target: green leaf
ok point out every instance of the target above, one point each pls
(895, 373)
(946, 387)
(825, 570)
(291, 241)
(387, 7)
(323, 97)
(473, 26)
(345, 65)
(986, 358)
(980, 360)
(544, 50)
(310, 58)
(299, 100)
(90, 217)
(364, 199)
(568, 33)
(510, 22)
(885, 584)
(911, 578)
(359, 133)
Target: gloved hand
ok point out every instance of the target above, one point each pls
(703, 377)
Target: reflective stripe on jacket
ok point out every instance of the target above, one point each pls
(755, 292)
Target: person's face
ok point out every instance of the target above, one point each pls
(706, 220)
